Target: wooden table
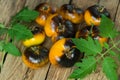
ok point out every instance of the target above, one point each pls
(14, 69)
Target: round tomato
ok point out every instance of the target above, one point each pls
(56, 27)
(69, 12)
(44, 8)
(38, 38)
(41, 19)
(66, 30)
(91, 31)
(64, 53)
(35, 56)
(93, 14)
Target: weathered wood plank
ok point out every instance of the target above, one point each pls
(9, 8)
(117, 25)
(57, 3)
(111, 6)
(58, 73)
(84, 4)
(14, 69)
(117, 19)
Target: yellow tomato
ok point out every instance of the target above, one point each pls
(35, 57)
(37, 39)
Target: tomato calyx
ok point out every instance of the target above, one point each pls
(43, 7)
(67, 7)
(98, 10)
(64, 30)
(61, 28)
(69, 52)
(36, 52)
(37, 30)
(88, 31)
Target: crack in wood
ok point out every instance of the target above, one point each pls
(47, 72)
(116, 11)
(26, 75)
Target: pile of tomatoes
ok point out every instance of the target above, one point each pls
(61, 25)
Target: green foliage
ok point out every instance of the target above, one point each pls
(104, 53)
(119, 57)
(106, 46)
(19, 32)
(16, 31)
(111, 52)
(107, 28)
(3, 31)
(26, 15)
(86, 67)
(1, 45)
(2, 26)
(11, 49)
(89, 46)
(109, 68)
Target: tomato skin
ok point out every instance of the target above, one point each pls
(35, 57)
(50, 26)
(85, 32)
(38, 38)
(41, 19)
(68, 31)
(64, 53)
(102, 40)
(93, 14)
(69, 12)
(91, 19)
(44, 10)
(56, 27)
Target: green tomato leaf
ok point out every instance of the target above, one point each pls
(119, 57)
(3, 30)
(109, 68)
(107, 27)
(111, 52)
(106, 45)
(89, 46)
(20, 32)
(2, 25)
(12, 49)
(1, 45)
(84, 68)
(26, 15)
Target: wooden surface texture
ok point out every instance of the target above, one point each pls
(14, 68)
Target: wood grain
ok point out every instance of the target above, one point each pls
(15, 69)
(58, 73)
(117, 26)
(111, 6)
(84, 4)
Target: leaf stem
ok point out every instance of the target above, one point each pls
(114, 46)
